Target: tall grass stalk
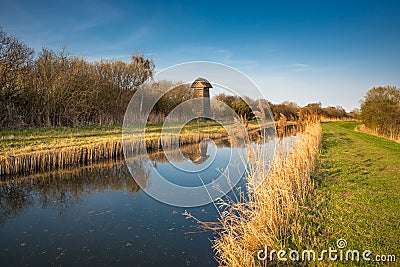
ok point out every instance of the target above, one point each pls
(268, 214)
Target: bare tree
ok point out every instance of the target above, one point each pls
(56, 89)
(15, 60)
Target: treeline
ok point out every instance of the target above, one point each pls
(172, 94)
(50, 89)
(245, 106)
(292, 111)
(380, 110)
(55, 89)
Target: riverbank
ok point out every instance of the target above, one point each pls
(351, 193)
(357, 191)
(20, 142)
(34, 150)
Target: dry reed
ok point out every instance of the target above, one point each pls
(395, 136)
(268, 214)
(39, 161)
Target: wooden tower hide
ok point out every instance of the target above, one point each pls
(201, 89)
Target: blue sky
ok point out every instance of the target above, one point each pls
(304, 51)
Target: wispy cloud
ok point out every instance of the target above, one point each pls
(126, 43)
(298, 67)
(68, 22)
(185, 53)
(94, 14)
(229, 58)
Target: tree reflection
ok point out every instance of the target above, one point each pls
(63, 189)
(13, 199)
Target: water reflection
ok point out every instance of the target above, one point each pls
(99, 215)
(12, 200)
(199, 156)
(63, 189)
(191, 151)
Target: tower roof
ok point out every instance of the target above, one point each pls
(201, 83)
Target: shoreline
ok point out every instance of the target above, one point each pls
(47, 160)
(41, 150)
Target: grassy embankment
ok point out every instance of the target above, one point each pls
(353, 194)
(32, 150)
(17, 142)
(358, 190)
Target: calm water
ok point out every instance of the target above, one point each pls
(98, 215)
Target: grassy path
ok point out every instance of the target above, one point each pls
(358, 190)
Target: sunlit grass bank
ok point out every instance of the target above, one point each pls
(16, 142)
(34, 150)
(357, 192)
(352, 192)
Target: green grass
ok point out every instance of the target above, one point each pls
(357, 191)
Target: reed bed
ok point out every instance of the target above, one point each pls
(268, 215)
(394, 135)
(47, 160)
(58, 159)
(77, 153)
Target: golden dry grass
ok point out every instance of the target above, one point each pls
(36, 150)
(364, 129)
(268, 215)
(87, 154)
